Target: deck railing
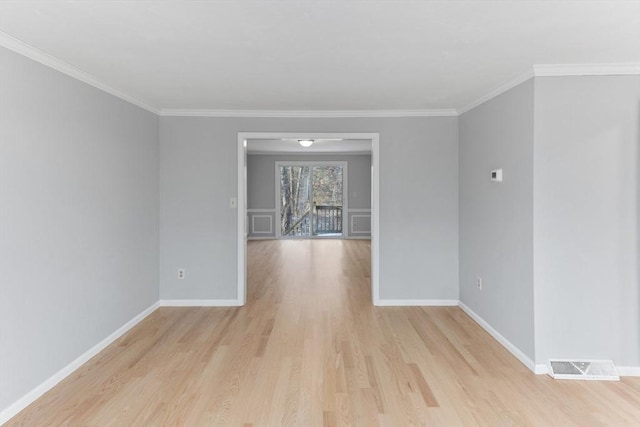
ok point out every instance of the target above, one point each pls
(301, 226)
(328, 220)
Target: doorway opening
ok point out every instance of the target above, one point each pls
(328, 218)
(311, 199)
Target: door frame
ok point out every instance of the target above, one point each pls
(374, 137)
(311, 164)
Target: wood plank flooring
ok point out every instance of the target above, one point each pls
(309, 349)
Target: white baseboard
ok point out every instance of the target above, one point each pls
(13, 409)
(541, 369)
(628, 371)
(358, 237)
(417, 302)
(199, 303)
(502, 340)
(261, 238)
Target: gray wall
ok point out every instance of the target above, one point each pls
(496, 219)
(587, 175)
(261, 183)
(78, 219)
(418, 202)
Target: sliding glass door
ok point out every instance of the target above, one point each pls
(311, 198)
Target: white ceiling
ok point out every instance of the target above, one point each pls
(322, 146)
(320, 55)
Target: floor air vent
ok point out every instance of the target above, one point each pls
(562, 369)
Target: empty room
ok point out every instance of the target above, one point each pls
(319, 213)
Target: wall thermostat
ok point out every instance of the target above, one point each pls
(496, 175)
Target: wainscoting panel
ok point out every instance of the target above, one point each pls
(261, 223)
(359, 223)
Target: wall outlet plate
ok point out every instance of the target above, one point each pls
(496, 175)
(181, 273)
(479, 282)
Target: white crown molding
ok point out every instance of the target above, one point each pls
(539, 70)
(498, 90)
(17, 406)
(24, 49)
(308, 114)
(556, 70)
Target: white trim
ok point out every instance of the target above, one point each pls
(447, 112)
(359, 210)
(242, 220)
(510, 84)
(358, 237)
(628, 371)
(308, 154)
(375, 218)
(51, 382)
(242, 197)
(199, 303)
(261, 210)
(43, 58)
(556, 70)
(351, 224)
(305, 135)
(526, 361)
(261, 238)
(540, 369)
(417, 302)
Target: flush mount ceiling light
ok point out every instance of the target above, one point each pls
(306, 142)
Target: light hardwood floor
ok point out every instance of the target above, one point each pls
(309, 349)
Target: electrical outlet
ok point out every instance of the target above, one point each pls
(479, 282)
(181, 273)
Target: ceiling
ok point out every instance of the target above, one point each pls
(320, 55)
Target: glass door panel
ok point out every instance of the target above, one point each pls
(327, 200)
(295, 201)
